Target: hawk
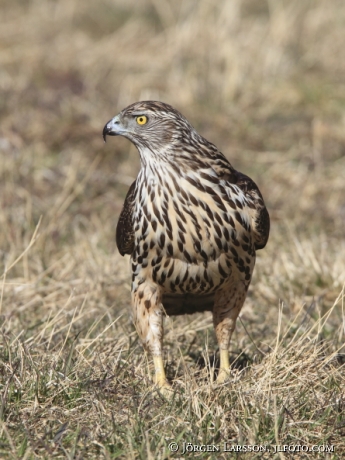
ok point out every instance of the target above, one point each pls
(191, 224)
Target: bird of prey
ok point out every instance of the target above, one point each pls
(191, 224)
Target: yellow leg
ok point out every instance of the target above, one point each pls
(224, 369)
(160, 377)
(227, 305)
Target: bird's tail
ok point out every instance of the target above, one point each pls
(186, 304)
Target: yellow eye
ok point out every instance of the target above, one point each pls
(141, 120)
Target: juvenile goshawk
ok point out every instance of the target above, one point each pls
(191, 224)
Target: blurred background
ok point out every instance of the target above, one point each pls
(262, 80)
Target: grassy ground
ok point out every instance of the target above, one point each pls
(262, 80)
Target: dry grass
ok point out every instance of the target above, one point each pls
(264, 81)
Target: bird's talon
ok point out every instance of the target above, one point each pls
(165, 388)
(223, 376)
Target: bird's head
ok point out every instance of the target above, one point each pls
(152, 126)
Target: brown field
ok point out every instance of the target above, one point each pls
(265, 82)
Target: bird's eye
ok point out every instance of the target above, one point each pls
(141, 120)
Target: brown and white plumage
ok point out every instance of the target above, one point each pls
(191, 224)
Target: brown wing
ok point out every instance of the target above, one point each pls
(124, 229)
(261, 218)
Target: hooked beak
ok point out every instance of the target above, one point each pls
(113, 128)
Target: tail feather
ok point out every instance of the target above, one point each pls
(186, 304)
